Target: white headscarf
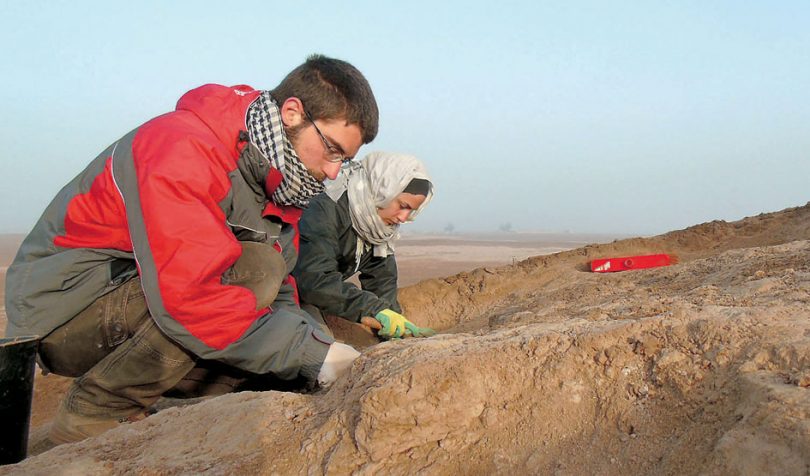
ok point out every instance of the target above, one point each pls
(371, 184)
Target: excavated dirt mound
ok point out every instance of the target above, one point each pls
(540, 368)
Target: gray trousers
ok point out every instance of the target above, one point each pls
(122, 361)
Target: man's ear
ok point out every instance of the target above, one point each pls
(292, 112)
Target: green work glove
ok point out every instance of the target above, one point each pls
(395, 326)
(416, 331)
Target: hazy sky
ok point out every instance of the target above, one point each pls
(621, 117)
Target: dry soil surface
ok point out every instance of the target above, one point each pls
(540, 368)
(419, 257)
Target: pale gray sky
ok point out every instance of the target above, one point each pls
(620, 117)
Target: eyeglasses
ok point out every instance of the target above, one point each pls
(334, 154)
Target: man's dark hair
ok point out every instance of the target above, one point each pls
(332, 89)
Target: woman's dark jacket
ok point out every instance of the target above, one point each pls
(327, 257)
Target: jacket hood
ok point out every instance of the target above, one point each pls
(222, 108)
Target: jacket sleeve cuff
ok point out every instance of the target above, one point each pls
(314, 354)
(378, 306)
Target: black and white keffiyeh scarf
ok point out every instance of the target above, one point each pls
(267, 132)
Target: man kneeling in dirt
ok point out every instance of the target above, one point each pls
(176, 242)
(351, 228)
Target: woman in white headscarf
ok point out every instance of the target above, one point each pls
(351, 228)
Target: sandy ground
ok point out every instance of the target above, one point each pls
(540, 367)
(419, 257)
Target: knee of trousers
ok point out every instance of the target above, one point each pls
(261, 269)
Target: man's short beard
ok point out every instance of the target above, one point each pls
(292, 133)
(319, 176)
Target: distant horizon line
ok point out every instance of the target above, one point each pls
(405, 233)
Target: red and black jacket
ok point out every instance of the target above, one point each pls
(174, 197)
